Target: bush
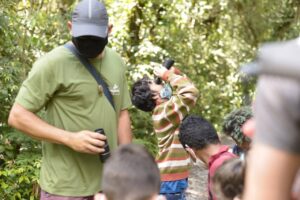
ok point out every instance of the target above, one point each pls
(19, 178)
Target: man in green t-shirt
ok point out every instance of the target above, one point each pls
(75, 107)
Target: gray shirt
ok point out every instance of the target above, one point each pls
(277, 113)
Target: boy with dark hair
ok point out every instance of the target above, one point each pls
(168, 109)
(130, 174)
(232, 126)
(142, 96)
(201, 140)
(228, 181)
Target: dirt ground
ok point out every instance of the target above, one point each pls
(197, 189)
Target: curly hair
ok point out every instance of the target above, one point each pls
(234, 121)
(228, 181)
(197, 132)
(142, 96)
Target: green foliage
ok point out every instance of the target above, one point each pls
(27, 30)
(19, 178)
(143, 133)
(208, 39)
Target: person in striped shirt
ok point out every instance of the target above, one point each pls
(169, 104)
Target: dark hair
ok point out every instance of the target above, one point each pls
(228, 181)
(142, 96)
(233, 123)
(196, 132)
(131, 173)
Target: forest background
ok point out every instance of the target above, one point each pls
(208, 39)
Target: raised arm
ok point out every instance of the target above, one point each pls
(184, 96)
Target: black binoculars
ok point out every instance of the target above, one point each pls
(105, 155)
(168, 63)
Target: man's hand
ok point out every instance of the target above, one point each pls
(87, 142)
(29, 123)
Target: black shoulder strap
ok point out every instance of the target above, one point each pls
(93, 72)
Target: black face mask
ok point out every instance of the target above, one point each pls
(90, 46)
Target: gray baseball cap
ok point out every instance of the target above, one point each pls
(277, 58)
(90, 18)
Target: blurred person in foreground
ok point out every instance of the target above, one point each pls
(200, 139)
(228, 181)
(131, 173)
(275, 154)
(75, 107)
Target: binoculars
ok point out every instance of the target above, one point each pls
(105, 155)
(168, 63)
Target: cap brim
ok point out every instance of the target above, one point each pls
(251, 69)
(89, 29)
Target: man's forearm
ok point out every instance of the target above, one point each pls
(124, 128)
(32, 125)
(83, 141)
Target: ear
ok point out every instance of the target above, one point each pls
(158, 99)
(69, 24)
(110, 27)
(192, 153)
(248, 128)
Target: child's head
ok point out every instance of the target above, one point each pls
(131, 173)
(197, 133)
(228, 181)
(232, 126)
(145, 93)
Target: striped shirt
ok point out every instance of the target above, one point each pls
(173, 161)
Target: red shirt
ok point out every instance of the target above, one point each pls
(214, 163)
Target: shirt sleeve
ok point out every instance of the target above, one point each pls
(184, 97)
(39, 86)
(277, 113)
(126, 101)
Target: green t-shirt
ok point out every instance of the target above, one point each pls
(59, 83)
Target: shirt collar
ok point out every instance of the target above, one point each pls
(212, 158)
